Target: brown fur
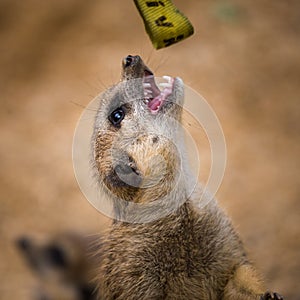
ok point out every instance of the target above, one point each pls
(192, 252)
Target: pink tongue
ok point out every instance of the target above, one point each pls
(155, 103)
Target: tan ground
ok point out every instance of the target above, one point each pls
(244, 58)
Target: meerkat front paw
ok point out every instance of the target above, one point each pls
(271, 296)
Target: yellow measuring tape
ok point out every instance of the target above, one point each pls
(164, 23)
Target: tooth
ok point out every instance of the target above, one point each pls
(147, 93)
(168, 85)
(168, 78)
(146, 84)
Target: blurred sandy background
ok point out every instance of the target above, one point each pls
(244, 59)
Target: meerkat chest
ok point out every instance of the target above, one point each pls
(155, 262)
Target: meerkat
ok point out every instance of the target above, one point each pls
(62, 264)
(163, 244)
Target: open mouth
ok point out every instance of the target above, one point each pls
(155, 97)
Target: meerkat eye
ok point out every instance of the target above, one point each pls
(117, 116)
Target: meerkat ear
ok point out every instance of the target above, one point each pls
(26, 246)
(23, 243)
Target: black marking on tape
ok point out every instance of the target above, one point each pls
(173, 40)
(161, 22)
(154, 3)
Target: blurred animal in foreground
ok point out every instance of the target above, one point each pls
(62, 264)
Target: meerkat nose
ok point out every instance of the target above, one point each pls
(128, 60)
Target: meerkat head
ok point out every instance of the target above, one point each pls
(136, 135)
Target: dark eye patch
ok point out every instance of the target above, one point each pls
(117, 116)
(56, 256)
